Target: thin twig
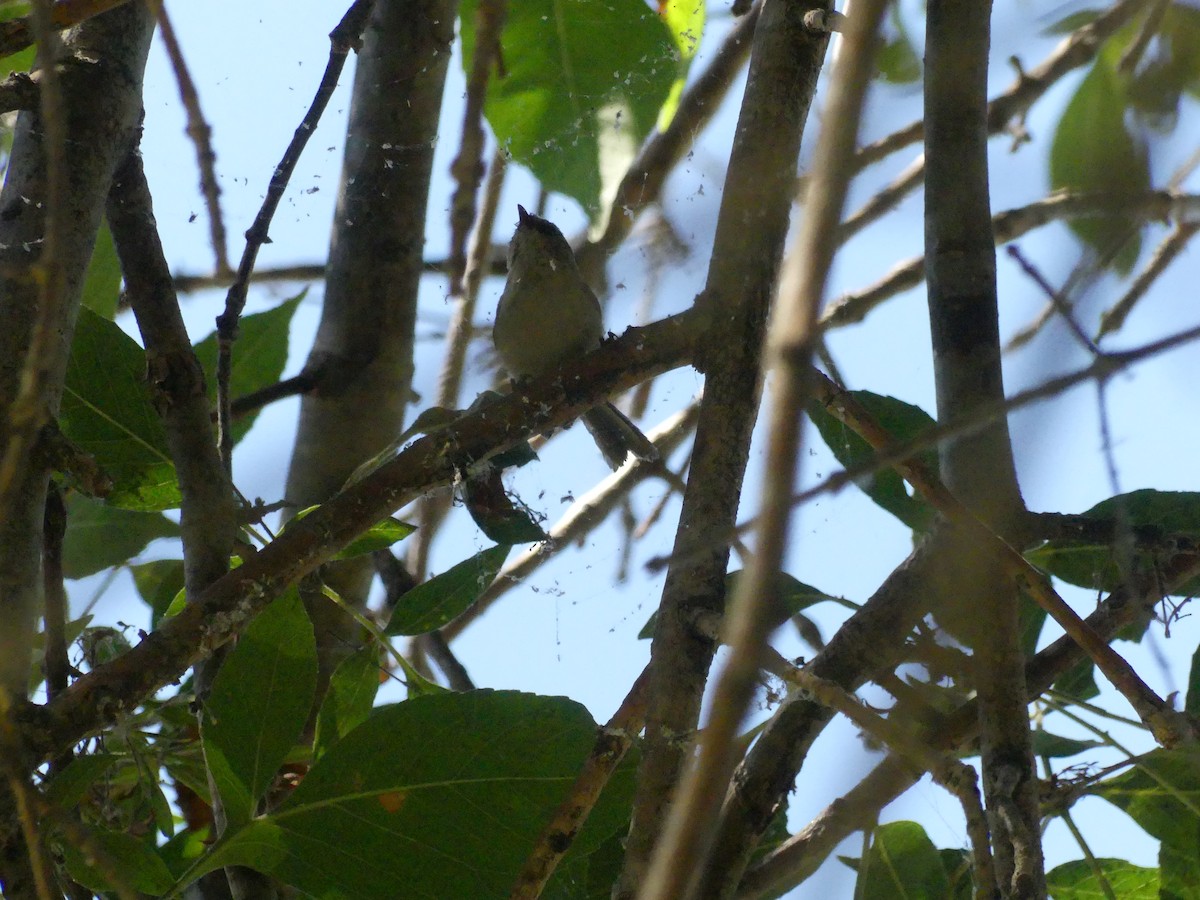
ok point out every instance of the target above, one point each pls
(458, 341)
(613, 741)
(201, 134)
(1102, 367)
(344, 38)
(1008, 226)
(28, 413)
(1075, 50)
(695, 808)
(583, 516)
(1164, 254)
(467, 168)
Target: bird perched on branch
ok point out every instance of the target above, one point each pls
(548, 315)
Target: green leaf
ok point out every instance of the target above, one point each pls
(1078, 880)
(259, 356)
(107, 411)
(902, 862)
(1162, 794)
(70, 786)
(957, 864)
(1179, 870)
(99, 536)
(589, 877)
(1094, 151)
(158, 583)
(350, 697)
(22, 60)
(1151, 513)
(583, 85)
(439, 796)
(134, 860)
(904, 422)
(102, 284)
(492, 508)
(1054, 745)
(445, 597)
(1192, 703)
(379, 536)
(1170, 66)
(685, 19)
(1079, 681)
(259, 703)
(897, 60)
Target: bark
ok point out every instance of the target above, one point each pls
(752, 224)
(362, 358)
(982, 604)
(46, 238)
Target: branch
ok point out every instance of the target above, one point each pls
(800, 856)
(588, 512)
(467, 168)
(17, 34)
(613, 741)
(227, 606)
(751, 227)
(344, 38)
(1075, 50)
(100, 79)
(791, 342)
(976, 602)
(1008, 226)
(201, 134)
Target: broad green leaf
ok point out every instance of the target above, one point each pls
(350, 697)
(902, 862)
(582, 88)
(1094, 151)
(259, 356)
(379, 536)
(1151, 512)
(1078, 880)
(1071, 22)
(1162, 794)
(259, 703)
(1079, 681)
(1054, 745)
(107, 411)
(183, 850)
(134, 860)
(897, 59)
(102, 284)
(22, 60)
(494, 510)
(1192, 702)
(957, 864)
(1179, 872)
(68, 787)
(439, 796)
(589, 877)
(444, 597)
(99, 536)
(158, 583)
(1169, 67)
(685, 19)
(904, 422)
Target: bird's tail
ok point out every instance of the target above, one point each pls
(616, 436)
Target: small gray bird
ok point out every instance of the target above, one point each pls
(548, 315)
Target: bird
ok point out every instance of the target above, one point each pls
(547, 315)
